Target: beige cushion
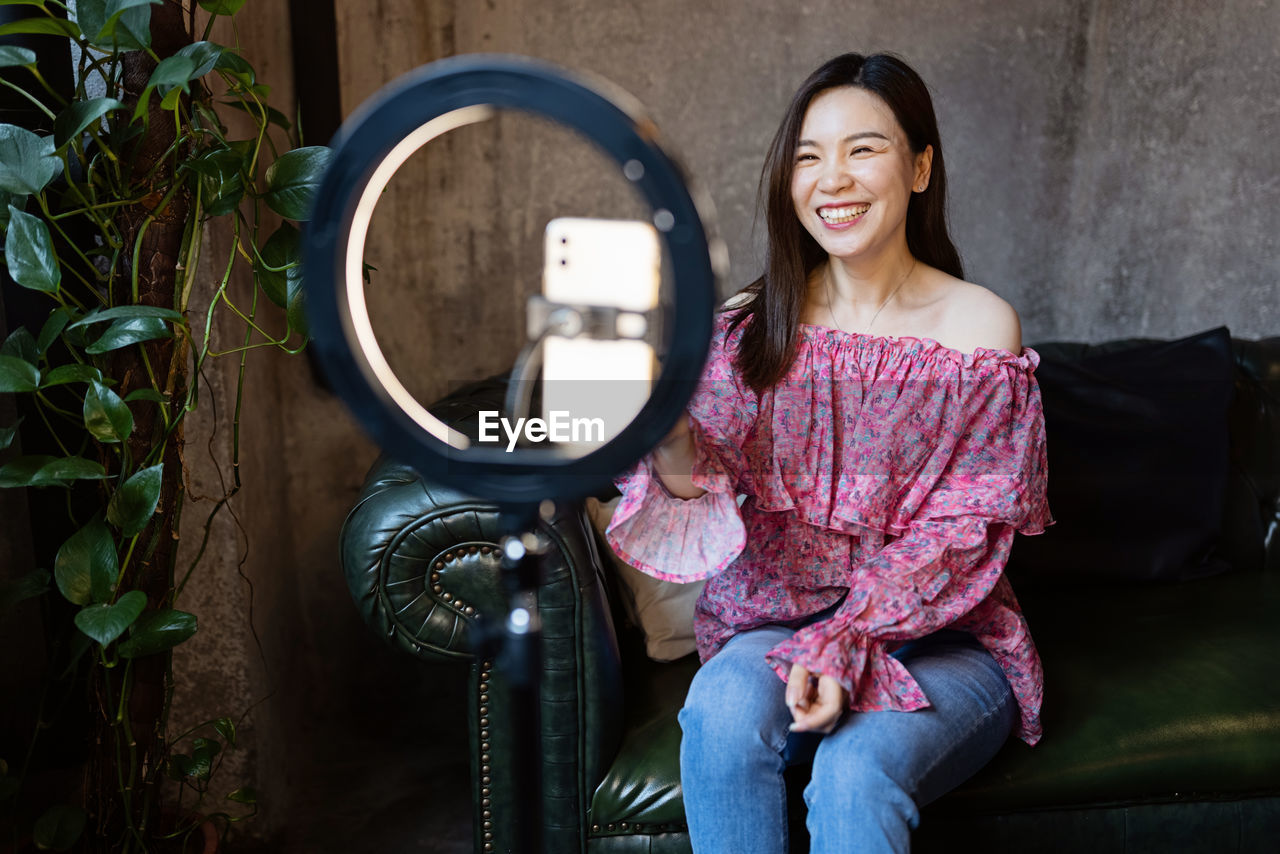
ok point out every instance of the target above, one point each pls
(662, 609)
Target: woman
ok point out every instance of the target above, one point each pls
(884, 423)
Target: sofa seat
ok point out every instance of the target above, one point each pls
(1141, 705)
(1139, 708)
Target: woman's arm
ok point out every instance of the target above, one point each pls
(665, 525)
(673, 461)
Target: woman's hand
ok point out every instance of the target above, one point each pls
(680, 438)
(673, 460)
(816, 702)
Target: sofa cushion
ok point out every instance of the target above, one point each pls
(662, 610)
(1138, 459)
(1246, 826)
(1152, 692)
(642, 787)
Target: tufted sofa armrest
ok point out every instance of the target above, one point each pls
(422, 563)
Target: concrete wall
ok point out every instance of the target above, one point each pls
(1114, 174)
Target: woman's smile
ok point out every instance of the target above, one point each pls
(840, 216)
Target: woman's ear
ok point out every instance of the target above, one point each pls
(924, 163)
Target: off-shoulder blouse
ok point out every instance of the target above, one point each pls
(887, 474)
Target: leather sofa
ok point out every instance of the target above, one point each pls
(1162, 709)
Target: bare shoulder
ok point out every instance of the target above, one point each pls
(979, 317)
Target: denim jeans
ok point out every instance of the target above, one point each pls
(870, 775)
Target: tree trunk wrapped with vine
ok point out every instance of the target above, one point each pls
(104, 201)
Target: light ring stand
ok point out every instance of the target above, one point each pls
(373, 143)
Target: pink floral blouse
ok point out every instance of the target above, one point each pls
(892, 472)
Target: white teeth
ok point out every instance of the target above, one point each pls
(836, 216)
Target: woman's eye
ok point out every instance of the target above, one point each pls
(801, 157)
(862, 149)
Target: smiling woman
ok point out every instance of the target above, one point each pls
(885, 476)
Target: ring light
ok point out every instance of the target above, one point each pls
(373, 143)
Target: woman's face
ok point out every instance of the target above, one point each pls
(854, 173)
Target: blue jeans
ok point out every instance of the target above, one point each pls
(870, 775)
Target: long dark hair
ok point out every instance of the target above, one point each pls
(767, 346)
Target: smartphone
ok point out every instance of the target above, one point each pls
(592, 389)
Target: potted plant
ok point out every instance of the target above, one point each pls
(103, 206)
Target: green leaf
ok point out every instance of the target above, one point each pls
(27, 162)
(116, 24)
(129, 330)
(59, 827)
(8, 434)
(106, 416)
(28, 250)
(18, 200)
(274, 116)
(133, 504)
(171, 75)
(70, 468)
(34, 583)
(22, 345)
(172, 98)
(221, 7)
(116, 6)
(158, 631)
(203, 751)
(64, 374)
(41, 26)
(227, 729)
(176, 70)
(179, 766)
(203, 54)
(46, 470)
(244, 795)
(236, 65)
(106, 622)
(293, 178)
(24, 470)
(53, 326)
(127, 311)
(18, 374)
(86, 566)
(283, 247)
(221, 183)
(148, 394)
(73, 121)
(11, 56)
(297, 311)
(215, 163)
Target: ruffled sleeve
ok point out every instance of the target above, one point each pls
(983, 480)
(677, 539)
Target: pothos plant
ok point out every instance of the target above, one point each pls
(103, 203)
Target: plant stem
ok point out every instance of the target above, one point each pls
(35, 72)
(45, 418)
(44, 209)
(32, 98)
(191, 257)
(96, 206)
(142, 230)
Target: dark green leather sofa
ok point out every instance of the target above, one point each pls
(1162, 712)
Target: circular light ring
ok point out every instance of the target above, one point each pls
(379, 136)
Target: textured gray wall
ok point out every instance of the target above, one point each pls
(1114, 173)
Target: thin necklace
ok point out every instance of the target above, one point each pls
(831, 300)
